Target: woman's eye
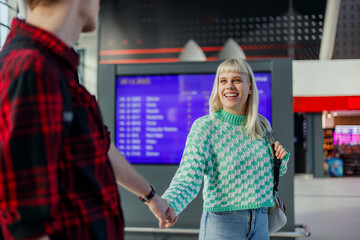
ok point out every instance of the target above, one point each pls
(237, 80)
(222, 81)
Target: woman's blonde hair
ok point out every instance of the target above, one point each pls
(256, 125)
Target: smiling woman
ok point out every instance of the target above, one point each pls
(229, 150)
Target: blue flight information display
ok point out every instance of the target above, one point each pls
(154, 113)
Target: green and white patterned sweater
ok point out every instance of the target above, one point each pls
(237, 170)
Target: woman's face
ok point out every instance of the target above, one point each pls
(234, 90)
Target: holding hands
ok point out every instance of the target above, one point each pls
(162, 211)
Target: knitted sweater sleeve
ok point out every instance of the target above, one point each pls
(186, 183)
(284, 162)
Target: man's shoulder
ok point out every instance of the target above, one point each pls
(23, 59)
(11, 50)
(26, 65)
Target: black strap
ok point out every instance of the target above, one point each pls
(277, 163)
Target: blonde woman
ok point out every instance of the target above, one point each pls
(228, 148)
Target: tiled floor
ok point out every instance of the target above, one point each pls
(329, 206)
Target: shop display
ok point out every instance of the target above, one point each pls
(347, 134)
(350, 153)
(342, 150)
(328, 143)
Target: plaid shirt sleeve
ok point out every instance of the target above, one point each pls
(31, 124)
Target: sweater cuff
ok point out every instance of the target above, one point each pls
(284, 162)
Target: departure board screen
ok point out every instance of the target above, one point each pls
(154, 113)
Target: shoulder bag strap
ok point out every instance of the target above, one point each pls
(277, 161)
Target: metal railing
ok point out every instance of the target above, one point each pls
(192, 231)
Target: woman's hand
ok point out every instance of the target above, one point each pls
(171, 217)
(280, 152)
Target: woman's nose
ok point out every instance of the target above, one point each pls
(230, 85)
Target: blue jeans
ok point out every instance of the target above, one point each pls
(235, 225)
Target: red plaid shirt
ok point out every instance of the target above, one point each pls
(51, 184)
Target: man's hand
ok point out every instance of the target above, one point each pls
(159, 207)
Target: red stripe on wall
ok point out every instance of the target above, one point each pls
(152, 51)
(354, 102)
(211, 49)
(329, 103)
(163, 60)
(212, 58)
(140, 51)
(205, 49)
(150, 60)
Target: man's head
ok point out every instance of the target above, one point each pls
(88, 10)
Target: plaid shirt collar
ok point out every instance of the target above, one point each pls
(48, 41)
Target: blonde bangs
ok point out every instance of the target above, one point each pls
(233, 65)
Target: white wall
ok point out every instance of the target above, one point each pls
(4, 20)
(326, 78)
(88, 42)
